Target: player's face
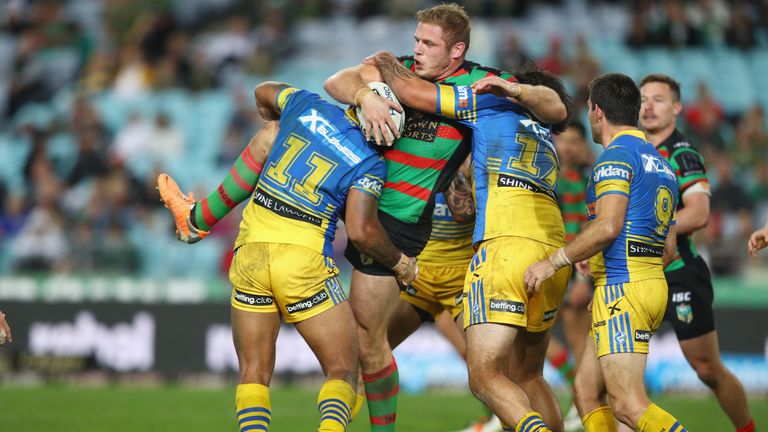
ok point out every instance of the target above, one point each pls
(431, 54)
(658, 107)
(593, 123)
(569, 146)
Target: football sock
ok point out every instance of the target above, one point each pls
(564, 365)
(655, 419)
(334, 402)
(359, 402)
(236, 187)
(532, 422)
(750, 427)
(381, 389)
(254, 411)
(599, 420)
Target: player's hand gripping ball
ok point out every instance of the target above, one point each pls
(398, 117)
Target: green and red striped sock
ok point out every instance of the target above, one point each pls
(237, 186)
(381, 389)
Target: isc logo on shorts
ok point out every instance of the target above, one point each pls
(309, 303)
(507, 306)
(253, 300)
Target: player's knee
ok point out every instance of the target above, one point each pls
(585, 396)
(629, 406)
(708, 372)
(479, 382)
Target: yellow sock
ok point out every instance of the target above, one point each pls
(532, 422)
(253, 406)
(335, 402)
(655, 419)
(358, 405)
(599, 420)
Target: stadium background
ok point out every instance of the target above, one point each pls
(98, 96)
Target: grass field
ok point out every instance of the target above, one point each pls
(65, 409)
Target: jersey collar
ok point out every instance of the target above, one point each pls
(637, 133)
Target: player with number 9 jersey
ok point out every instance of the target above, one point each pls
(630, 166)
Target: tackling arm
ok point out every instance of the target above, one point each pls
(266, 99)
(368, 236)
(411, 90)
(610, 213)
(458, 196)
(543, 102)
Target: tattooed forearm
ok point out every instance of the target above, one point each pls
(391, 70)
(459, 199)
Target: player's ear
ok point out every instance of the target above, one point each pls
(677, 108)
(458, 50)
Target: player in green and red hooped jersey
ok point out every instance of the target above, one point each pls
(689, 307)
(419, 165)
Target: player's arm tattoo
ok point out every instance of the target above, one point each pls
(391, 69)
(459, 199)
(413, 91)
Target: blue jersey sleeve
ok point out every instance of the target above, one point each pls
(370, 176)
(291, 101)
(613, 173)
(461, 103)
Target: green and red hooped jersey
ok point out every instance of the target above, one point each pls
(572, 198)
(430, 149)
(688, 164)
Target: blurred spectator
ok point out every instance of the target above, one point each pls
(554, 61)
(134, 75)
(638, 35)
(711, 18)
(677, 31)
(41, 244)
(165, 141)
(704, 116)
(583, 68)
(133, 141)
(13, 216)
(731, 219)
(245, 122)
(741, 29)
(91, 159)
(750, 143)
(511, 55)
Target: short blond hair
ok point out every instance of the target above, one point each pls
(450, 17)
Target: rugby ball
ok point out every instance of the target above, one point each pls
(398, 118)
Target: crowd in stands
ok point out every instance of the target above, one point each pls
(76, 201)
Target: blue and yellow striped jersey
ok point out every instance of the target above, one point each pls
(630, 166)
(319, 155)
(450, 242)
(515, 167)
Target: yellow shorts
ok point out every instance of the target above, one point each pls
(624, 316)
(291, 279)
(437, 288)
(494, 291)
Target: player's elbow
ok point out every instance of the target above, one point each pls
(360, 233)
(332, 85)
(610, 229)
(701, 219)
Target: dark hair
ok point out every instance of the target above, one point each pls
(664, 79)
(531, 74)
(452, 18)
(579, 126)
(619, 98)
